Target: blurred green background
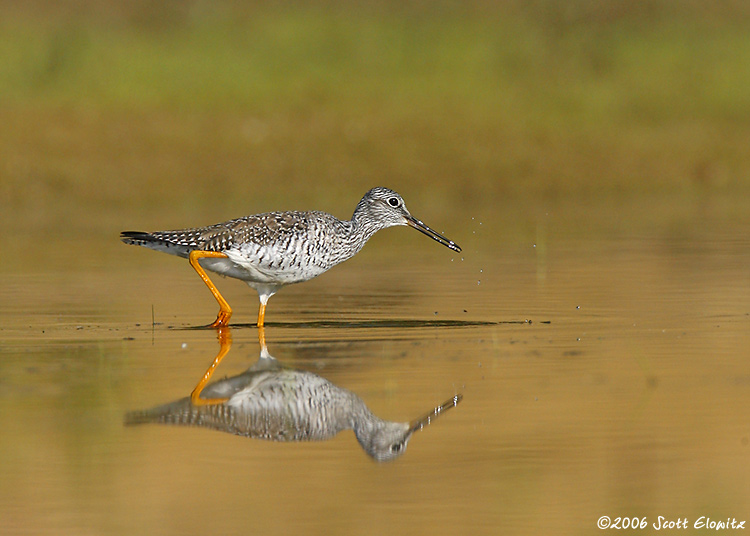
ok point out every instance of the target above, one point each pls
(161, 114)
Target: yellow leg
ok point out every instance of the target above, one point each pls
(225, 312)
(261, 314)
(225, 343)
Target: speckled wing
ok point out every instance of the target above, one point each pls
(280, 248)
(261, 229)
(269, 228)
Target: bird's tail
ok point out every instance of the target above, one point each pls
(178, 412)
(161, 241)
(183, 412)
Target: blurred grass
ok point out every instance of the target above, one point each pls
(144, 113)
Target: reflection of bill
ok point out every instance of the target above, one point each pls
(277, 403)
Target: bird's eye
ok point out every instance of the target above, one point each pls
(393, 202)
(396, 447)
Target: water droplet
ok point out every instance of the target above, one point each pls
(479, 282)
(578, 306)
(184, 345)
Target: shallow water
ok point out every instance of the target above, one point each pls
(599, 377)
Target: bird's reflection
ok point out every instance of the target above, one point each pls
(274, 402)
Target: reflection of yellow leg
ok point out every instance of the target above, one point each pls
(222, 319)
(262, 338)
(225, 343)
(261, 314)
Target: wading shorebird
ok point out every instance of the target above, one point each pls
(274, 249)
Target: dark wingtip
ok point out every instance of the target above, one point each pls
(129, 237)
(136, 417)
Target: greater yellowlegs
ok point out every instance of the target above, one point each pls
(273, 402)
(274, 249)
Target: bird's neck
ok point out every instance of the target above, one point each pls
(361, 227)
(365, 423)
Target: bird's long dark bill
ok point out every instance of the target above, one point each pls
(417, 424)
(422, 228)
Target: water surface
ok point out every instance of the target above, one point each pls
(600, 376)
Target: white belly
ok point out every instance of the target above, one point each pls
(259, 264)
